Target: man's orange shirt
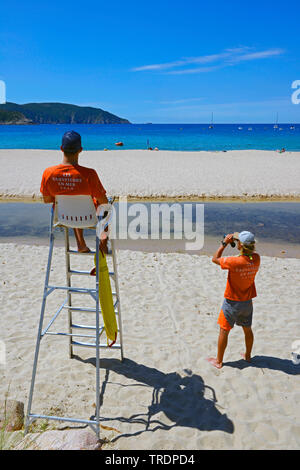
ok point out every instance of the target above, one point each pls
(242, 271)
(71, 180)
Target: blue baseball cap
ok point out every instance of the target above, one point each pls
(246, 238)
(71, 142)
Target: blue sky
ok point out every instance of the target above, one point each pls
(159, 61)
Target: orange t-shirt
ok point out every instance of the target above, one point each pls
(242, 271)
(71, 180)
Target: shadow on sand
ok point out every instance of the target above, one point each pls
(181, 399)
(267, 362)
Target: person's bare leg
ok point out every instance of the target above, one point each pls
(81, 245)
(222, 344)
(249, 339)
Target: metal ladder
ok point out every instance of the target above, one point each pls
(98, 329)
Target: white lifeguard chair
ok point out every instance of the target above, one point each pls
(77, 212)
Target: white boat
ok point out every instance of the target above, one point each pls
(240, 128)
(212, 121)
(292, 128)
(276, 125)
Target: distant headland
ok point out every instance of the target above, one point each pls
(55, 113)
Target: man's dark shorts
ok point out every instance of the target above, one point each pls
(236, 312)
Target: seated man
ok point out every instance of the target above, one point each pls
(72, 179)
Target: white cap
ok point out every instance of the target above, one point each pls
(246, 238)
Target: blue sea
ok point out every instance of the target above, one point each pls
(187, 137)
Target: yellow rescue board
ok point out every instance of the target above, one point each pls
(106, 301)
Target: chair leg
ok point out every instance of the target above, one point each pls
(68, 278)
(97, 416)
(38, 340)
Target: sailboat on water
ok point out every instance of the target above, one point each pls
(276, 125)
(212, 121)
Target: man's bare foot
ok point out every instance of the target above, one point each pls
(247, 358)
(84, 250)
(214, 362)
(93, 271)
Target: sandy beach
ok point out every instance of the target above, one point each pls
(165, 395)
(245, 174)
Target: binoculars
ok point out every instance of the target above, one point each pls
(232, 243)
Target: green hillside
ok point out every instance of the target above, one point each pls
(60, 113)
(12, 117)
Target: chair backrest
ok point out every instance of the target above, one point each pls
(75, 211)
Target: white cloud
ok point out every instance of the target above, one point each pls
(258, 55)
(177, 63)
(187, 61)
(195, 70)
(223, 59)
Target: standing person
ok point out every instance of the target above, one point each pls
(72, 179)
(240, 290)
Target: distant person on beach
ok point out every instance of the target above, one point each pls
(70, 178)
(240, 290)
